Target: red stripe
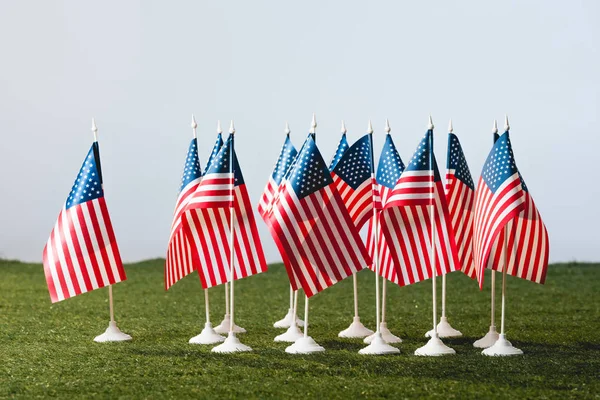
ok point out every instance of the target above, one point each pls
(78, 252)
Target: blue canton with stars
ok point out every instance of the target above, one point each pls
(88, 185)
(390, 164)
(191, 170)
(500, 164)
(214, 151)
(309, 173)
(286, 157)
(456, 160)
(355, 166)
(420, 159)
(339, 152)
(221, 164)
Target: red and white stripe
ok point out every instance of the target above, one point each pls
(386, 263)
(266, 200)
(178, 263)
(527, 245)
(317, 239)
(82, 253)
(461, 201)
(492, 212)
(360, 201)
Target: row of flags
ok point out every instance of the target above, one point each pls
(314, 212)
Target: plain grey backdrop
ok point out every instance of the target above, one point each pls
(141, 68)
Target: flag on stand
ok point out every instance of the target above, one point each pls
(406, 220)
(317, 239)
(460, 194)
(340, 150)
(207, 227)
(82, 253)
(286, 157)
(354, 181)
(499, 198)
(389, 169)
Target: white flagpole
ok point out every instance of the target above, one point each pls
(232, 343)
(503, 347)
(492, 335)
(378, 345)
(356, 328)
(208, 334)
(306, 344)
(435, 346)
(112, 333)
(444, 329)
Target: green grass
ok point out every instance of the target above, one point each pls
(47, 350)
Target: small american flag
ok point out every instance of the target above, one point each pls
(353, 178)
(406, 222)
(319, 243)
(460, 194)
(82, 253)
(207, 228)
(214, 152)
(178, 263)
(286, 157)
(498, 199)
(389, 169)
(339, 151)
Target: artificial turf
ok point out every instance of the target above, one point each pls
(47, 350)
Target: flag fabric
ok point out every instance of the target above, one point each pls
(460, 194)
(178, 262)
(284, 161)
(499, 198)
(406, 221)
(389, 169)
(82, 253)
(214, 152)
(339, 151)
(354, 181)
(206, 222)
(317, 239)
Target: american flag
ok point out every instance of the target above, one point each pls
(460, 194)
(207, 228)
(178, 262)
(498, 199)
(214, 152)
(319, 243)
(82, 253)
(339, 151)
(354, 181)
(406, 221)
(286, 157)
(389, 169)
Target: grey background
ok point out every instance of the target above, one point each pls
(142, 69)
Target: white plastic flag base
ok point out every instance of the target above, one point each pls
(445, 330)
(291, 335)
(488, 340)
(231, 345)
(434, 347)
(388, 336)
(502, 347)
(207, 336)
(355, 330)
(223, 327)
(287, 320)
(304, 345)
(112, 334)
(379, 346)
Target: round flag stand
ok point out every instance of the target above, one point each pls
(291, 315)
(293, 333)
(112, 333)
(208, 334)
(356, 328)
(444, 329)
(387, 336)
(224, 326)
(306, 344)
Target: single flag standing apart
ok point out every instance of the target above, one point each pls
(499, 198)
(82, 253)
(406, 222)
(389, 169)
(460, 194)
(354, 181)
(207, 228)
(318, 241)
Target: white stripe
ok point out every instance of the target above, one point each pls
(106, 239)
(86, 255)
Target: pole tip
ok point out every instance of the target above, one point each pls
(387, 126)
(231, 128)
(343, 127)
(430, 124)
(506, 124)
(94, 127)
(194, 125)
(287, 128)
(495, 128)
(313, 125)
(219, 130)
(450, 127)
(370, 127)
